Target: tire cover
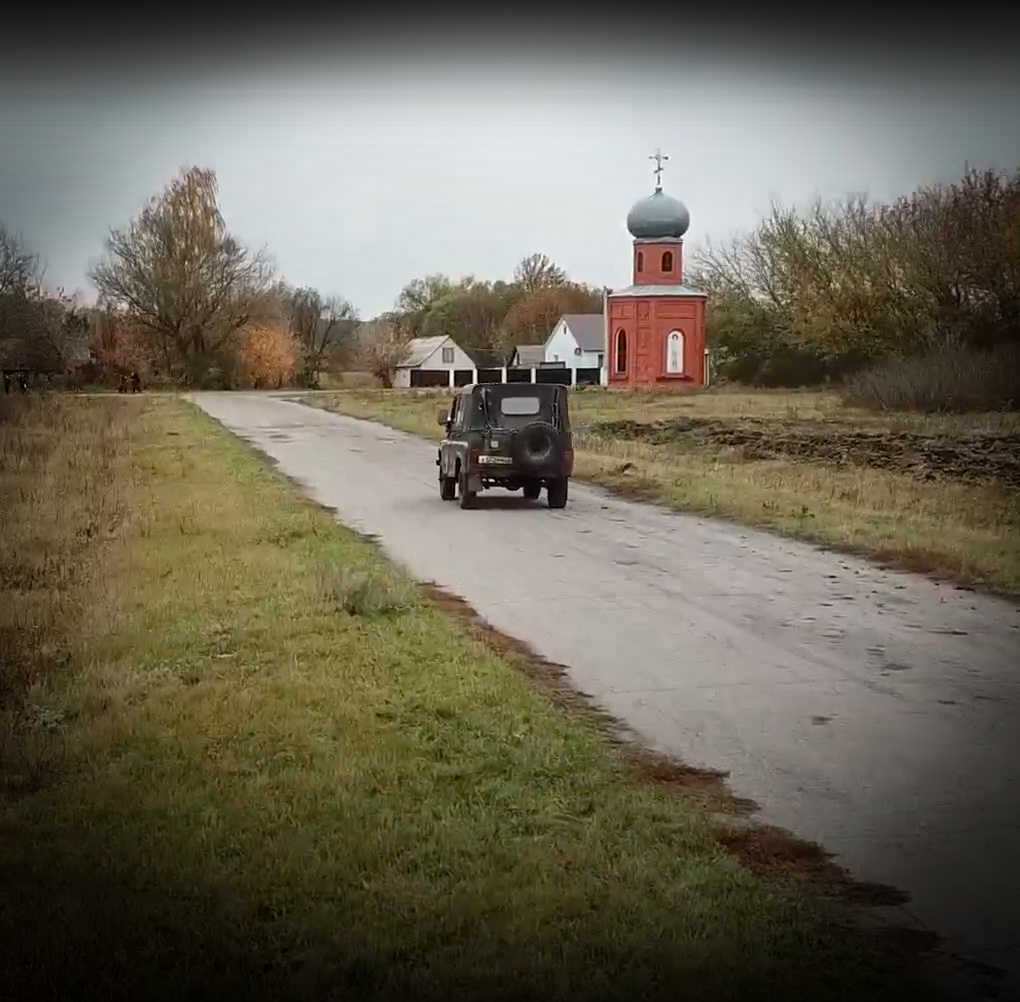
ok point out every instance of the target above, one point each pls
(536, 445)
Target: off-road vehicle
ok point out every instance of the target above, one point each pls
(510, 435)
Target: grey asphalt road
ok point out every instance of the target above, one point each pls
(874, 712)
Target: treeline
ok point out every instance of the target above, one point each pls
(854, 287)
(182, 301)
(40, 331)
(915, 303)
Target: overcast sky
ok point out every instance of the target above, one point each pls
(361, 174)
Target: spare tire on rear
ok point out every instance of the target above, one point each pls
(536, 446)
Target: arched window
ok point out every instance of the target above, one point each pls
(621, 350)
(667, 260)
(675, 353)
(640, 261)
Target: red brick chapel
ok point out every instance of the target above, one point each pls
(656, 327)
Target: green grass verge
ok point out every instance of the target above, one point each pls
(247, 759)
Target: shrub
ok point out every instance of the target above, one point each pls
(367, 592)
(949, 379)
(267, 356)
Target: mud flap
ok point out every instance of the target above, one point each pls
(474, 483)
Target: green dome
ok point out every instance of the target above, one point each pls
(658, 216)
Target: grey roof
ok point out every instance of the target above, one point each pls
(679, 291)
(589, 330)
(419, 349)
(530, 354)
(658, 215)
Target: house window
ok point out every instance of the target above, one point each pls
(667, 260)
(621, 351)
(675, 353)
(640, 261)
(447, 356)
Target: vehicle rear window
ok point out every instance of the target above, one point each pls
(520, 406)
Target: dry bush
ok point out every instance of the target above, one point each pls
(121, 347)
(268, 356)
(844, 285)
(950, 379)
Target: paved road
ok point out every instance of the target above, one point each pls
(873, 712)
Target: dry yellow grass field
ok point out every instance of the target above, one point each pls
(934, 493)
(243, 758)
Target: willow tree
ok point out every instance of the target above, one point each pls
(181, 277)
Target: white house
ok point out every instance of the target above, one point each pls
(429, 359)
(528, 356)
(579, 342)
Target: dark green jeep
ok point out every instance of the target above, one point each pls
(510, 435)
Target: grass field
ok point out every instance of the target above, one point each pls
(240, 756)
(933, 493)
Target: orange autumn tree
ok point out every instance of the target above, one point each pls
(268, 356)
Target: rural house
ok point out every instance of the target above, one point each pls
(528, 356)
(579, 342)
(434, 361)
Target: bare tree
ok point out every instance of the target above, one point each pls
(537, 271)
(183, 278)
(320, 324)
(38, 330)
(20, 269)
(381, 346)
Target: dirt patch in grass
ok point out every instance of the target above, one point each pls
(975, 457)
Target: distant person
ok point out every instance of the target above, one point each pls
(7, 382)
(136, 383)
(122, 384)
(23, 382)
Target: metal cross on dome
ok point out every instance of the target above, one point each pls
(658, 156)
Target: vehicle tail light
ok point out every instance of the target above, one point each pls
(473, 455)
(568, 460)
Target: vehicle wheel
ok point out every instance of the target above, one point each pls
(447, 488)
(467, 498)
(532, 490)
(556, 493)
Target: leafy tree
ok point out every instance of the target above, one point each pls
(184, 279)
(531, 319)
(416, 299)
(472, 312)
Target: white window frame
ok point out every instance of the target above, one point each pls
(675, 338)
(448, 359)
